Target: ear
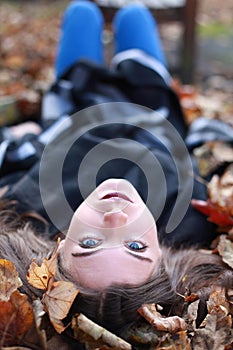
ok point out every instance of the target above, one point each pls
(60, 246)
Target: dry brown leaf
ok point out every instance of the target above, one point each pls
(171, 324)
(211, 155)
(37, 335)
(189, 298)
(206, 162)
(97, 333)
(220, 190)
(9, 279)
(58, 301)
(144, 336)
(216, 334)
(225, 250)
(59, 295)
(219, 206)
(223, 152)
(16, 317)
(218, 298)
(192, 314)
(14, 62)
(40, 276)
(179, 342)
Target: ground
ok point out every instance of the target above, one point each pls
(29, 33)
(30, 30)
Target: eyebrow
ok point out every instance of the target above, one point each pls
(140, 257)
(86, 253)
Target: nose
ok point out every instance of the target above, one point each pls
(115, 218)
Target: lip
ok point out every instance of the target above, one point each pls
(115, 196)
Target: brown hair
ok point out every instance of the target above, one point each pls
(180, 272)
(116, 308)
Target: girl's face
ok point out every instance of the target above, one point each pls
(112, 238)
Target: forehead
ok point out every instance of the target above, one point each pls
(112, 266)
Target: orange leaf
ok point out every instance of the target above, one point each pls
(58, 301)
(39, 276)
(9, 279)
(16, 317)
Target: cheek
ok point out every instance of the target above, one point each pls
(88, 215)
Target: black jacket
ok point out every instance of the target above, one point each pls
(112, 136)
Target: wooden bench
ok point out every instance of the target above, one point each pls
(165, 11)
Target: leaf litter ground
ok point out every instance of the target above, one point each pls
(28, 48)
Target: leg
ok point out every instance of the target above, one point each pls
(80, 35)
(135, 28)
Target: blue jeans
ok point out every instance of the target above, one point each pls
(81, 34)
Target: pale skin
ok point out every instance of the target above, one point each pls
(112, 238)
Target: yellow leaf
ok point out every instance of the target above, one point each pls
(40, 276)
(9, 279)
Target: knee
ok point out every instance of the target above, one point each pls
(83, 9)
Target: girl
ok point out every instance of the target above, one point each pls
(130, 141)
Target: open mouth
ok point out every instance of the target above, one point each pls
(117, 195)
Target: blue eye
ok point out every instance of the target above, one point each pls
(90, 243)
(136, 245)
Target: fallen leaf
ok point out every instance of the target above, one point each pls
(58, 296)
(58, 300)
(215, 332)
(216, 298)
(220, 190)
(14, 62)
(9, 279)
(178, 341)
(98, 334)
(171, 324)
(214, 214)
(40, 276)
(189, 298)
(212, 337)
(142, 334)
(37, 335)
(192, 315)
(211, 155)
(225, 250)
(16, 317)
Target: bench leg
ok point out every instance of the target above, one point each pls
(189, 42)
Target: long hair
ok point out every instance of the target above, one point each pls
(116, 307)
(181, 272)
(20, 244)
